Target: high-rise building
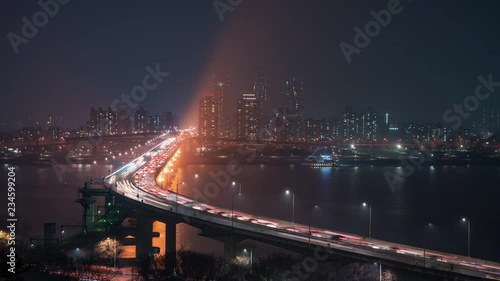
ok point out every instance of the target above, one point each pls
(103, 122)
(220, 86)
(111, 122)
(106, 122)
(93, 123)
(348, 125)
(208, 116)
(393, 134)
(123, 122)
(439, 133)
(319, 130)
(54, 134)
(260, 90)
(337, 129)
(367, 129)
(425, 132)
(162, 122)
(248, 117)
(154, 123)
(278, 125)
(141, 121)
(359, 127)
(30, 134)
(486, 120)
(295, 109)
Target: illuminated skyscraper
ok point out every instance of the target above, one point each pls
(141, 121)
(348, 125)
(486, 120)
(295, 109)
(103, 122)
(247, 117)
(220, 86)
(319, 130)
(368, 125)
(208, 124)
(260, 90)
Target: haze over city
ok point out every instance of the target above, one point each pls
(94, 52)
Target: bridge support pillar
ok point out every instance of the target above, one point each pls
(230, 247)
(144, 237)
(90, 213)
(171, 244)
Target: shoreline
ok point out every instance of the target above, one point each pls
(275, 160)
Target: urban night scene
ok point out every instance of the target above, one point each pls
(250, 140)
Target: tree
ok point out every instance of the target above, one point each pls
(365, 272)
(274, 266)
(108, 250)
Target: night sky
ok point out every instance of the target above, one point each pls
(427, 58)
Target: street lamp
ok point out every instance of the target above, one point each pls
(380, 269)
(177, 195)
(370, 219)
(251, 258)
(232, 209)
(287, 192)
(468, 235)
(196, 176)
(114, 250)
(77, 254)
(239, 186)
(232, 220)
(310, 218)
(425, 240)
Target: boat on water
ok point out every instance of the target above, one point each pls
(321, 160)
(320, 164)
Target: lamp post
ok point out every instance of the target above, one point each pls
(380, 270)
(232, 222)
(370, 219)
(114, 250)
(114, 258)
(77, 254)
(177, 195)
(293, 203)
(425, 240)
(239, 190)
(196, 176)
(310, 218)
(468, 235)
(232, 209)
(251, 258)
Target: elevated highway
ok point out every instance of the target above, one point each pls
(135, 185)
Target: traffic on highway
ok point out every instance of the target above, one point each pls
(139, 180)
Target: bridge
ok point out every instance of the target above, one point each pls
(136, 185)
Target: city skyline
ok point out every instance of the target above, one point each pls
(332, 83)
(349, 126)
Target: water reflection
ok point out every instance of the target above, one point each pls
(434, 193)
